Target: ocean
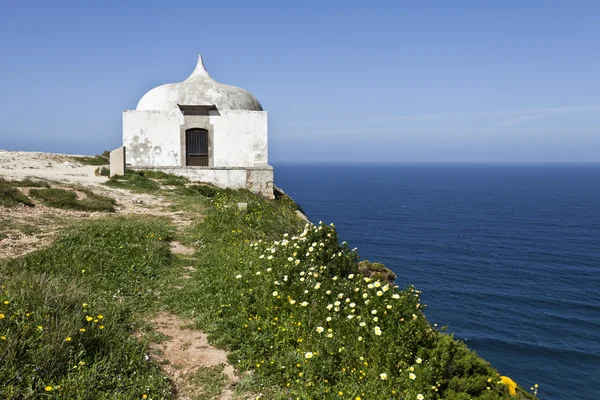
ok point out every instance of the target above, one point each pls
(507, 256)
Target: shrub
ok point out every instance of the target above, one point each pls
(102, 171)
(102, 159)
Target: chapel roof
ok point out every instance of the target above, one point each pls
(199, 89)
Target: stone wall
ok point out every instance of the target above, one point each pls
(258, 180)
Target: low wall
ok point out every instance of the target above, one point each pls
(258, 180)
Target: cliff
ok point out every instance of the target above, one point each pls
(297, 311)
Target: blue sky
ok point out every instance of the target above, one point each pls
(341, 80)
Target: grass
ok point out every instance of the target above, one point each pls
(207, 382)
(67, 313)
(146, 180)
(101, 159)
(286, 299)
(293, 308)
(11, 196)
(67, 199)
(133, 181)
(164, 178)
(202, 190)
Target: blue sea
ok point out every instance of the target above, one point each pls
(507, 256)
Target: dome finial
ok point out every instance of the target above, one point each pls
(200, 70)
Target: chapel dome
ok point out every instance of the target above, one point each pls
(199, 89)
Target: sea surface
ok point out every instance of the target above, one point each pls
(507, 256)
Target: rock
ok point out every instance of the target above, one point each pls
(302, 216)
(376, 271)
(242, 206)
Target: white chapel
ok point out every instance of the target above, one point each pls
(201, 129)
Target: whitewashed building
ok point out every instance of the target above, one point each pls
(201, 129)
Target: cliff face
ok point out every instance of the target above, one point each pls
(295, 308)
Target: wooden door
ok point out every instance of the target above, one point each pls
(196, 147)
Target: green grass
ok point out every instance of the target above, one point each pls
(147, 180)
(276, 293)
(67, 199)
(270, 295)
(133, 181)
(163, 177)
(202, 190)
(101, 159)
(100, 277)
(28, 182)
(11, 196)
(207, 382)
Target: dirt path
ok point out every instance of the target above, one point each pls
(198, 370)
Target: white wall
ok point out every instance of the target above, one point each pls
(240, 138)
(157, 138)
(152, 137)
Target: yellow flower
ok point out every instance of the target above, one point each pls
(68, 339)
(6, 302)
(48, 388)
(85, 305)
(512, 386)
(144, 396)
(3, 337)
(82, 330)
(88, 318)
(101, 327)
(1, 316)
(99, 317)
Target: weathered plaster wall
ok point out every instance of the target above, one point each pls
(152, 137)
(240, 138)
(157, 138)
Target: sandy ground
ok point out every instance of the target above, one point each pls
(17, 165)
(29, 228)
